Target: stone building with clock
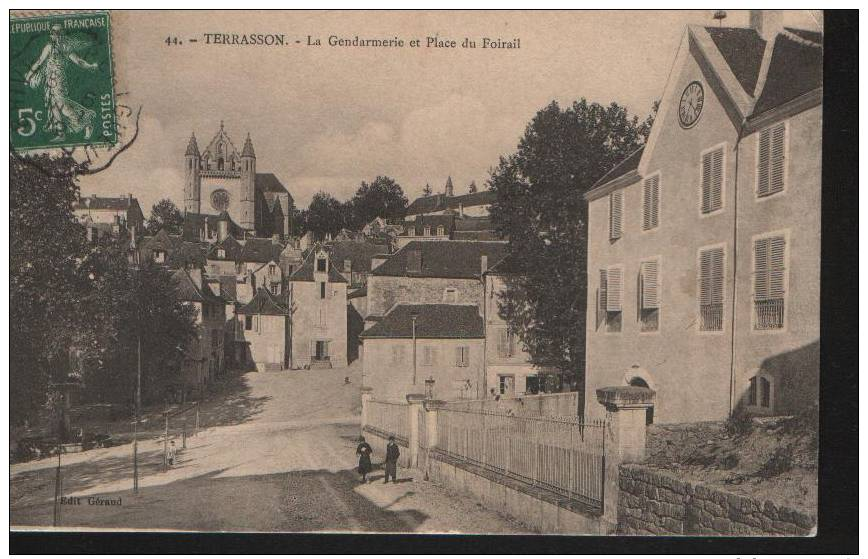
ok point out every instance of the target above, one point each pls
(220, 178)
(704, 246)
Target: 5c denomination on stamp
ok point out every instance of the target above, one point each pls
(61, 83)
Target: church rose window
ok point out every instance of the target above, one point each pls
(220, 200)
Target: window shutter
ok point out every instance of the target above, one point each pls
(604, 289)
(650, 297)
(712, 180)
(771, 164)
(650, 202)
(769, 268)
(616, 203)
(711, 276)
(457, 356)
(501, 343)
(613, 290)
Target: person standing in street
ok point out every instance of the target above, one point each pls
(392, 454)
(364, 451)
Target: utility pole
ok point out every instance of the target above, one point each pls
(413, 318)
(138, 411)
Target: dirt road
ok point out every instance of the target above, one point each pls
(285, 464)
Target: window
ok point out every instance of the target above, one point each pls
(427, 231)
(505, 343)
(248, 322)
(760, 392)
(532, 385)
(649, 296)
(616, 208)
(610, 298)
(275, 288)
(429, 356)
(272, 269)
(462, 356)
(321, 265)
(221, 253)
(450, 295)
(771, 160)
(711, 263)
(650, 202)
(411, 231)
(397, 355)
(322, 290)
(506, 385)
(321, 350)
(348, 266)
(769, 282)
(160, 256)
(712, 180)
(441, 231)
(323, 314)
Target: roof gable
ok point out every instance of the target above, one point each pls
(305, 272)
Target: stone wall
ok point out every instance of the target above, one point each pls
(652, 502)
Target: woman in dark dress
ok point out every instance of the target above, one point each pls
(364, 452)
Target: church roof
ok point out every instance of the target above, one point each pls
(192, 147)
(268, 182)
(247, 150)
(263, 303)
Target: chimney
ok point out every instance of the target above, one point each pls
(222, 229)
(768, 23)
(206, 229)
(484, 263)
(461, 209)
(133, 236)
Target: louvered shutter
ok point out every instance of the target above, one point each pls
(601, 307)
(712, 181)
(771, 164)
(711, 276)
(769, 268)
(650, 296)
(616, 208)
(613, 290)
(650, 202)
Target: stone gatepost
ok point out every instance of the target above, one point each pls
(626, 408)
(431, 408)
(414, 404)
(367, 394)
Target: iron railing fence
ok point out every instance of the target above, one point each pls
(565, 455)
(390, 418)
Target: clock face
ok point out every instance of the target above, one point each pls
(691, 104)
(220, 200)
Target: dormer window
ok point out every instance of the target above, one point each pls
(321, 264)
(427, 231)
(441, 231)
(160, 256)
(221, 253)
(272, 269)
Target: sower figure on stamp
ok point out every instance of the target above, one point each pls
(392, 454)
(50, 71)
(364, 452)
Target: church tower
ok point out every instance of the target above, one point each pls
(248, 185)
(192, 181)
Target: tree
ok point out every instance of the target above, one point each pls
(325, 215)
(46, 284)
(540, 208)
(165, 215)
(383, 197)
(427, 190)
(472, 187)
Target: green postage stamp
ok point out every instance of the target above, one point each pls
(61, 90)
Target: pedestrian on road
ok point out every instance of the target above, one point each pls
(392, 454)
(364, 452)
(170, 454)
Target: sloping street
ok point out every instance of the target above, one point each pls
(284, 463)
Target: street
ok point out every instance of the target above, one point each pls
(280, 458)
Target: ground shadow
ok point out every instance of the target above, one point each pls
(229, 402)
(308, 500)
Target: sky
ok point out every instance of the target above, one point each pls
(327, 118)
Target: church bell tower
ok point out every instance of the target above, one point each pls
(192, 181)
(248, 185)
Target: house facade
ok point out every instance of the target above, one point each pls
(318, 313)
(262, 332)
(204, 358)
(414, 343)
(508, 368)
(703, 247)
(109, 215)
(431, 272)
